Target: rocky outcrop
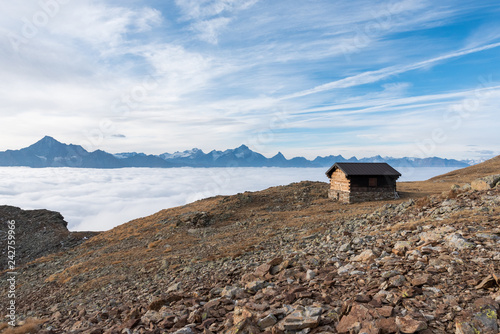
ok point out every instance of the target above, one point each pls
(35, 233)
(486, 182)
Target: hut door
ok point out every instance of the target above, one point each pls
(372, 182)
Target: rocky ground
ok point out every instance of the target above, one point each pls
(284, 260)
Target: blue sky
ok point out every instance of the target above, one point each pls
(395, 78)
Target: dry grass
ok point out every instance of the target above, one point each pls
(469, 174)
(423, 202)
(155, 243)
(452, 194)
(31, 326)
(67, 274)
(407, 226)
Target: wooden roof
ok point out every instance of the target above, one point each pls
(364, 168)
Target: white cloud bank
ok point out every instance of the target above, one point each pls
(100, 199)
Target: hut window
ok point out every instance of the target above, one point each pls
(372, 182)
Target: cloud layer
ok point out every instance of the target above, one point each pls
(100, 199)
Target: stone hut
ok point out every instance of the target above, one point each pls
(352, 182)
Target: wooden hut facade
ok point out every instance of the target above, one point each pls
(352, 182)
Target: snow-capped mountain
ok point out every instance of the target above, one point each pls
(189, 154)
(48, 152)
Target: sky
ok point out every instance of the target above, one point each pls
(100, 199)
(307, 78)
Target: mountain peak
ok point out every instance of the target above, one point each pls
(279, 156)
(243, 147)
(48, 139)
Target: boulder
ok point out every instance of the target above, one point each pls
(485, 183)
(231, 292)
(365, 256)
(409, 325)
(267, 321)
(301, 318)
(185, 330)
(310, 274)
(457, 241)
(353, 322)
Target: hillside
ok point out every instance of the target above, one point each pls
(468, 174)
(282, 260)
(444, 182)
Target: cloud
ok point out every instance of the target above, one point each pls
(375, 76)
(208, 18)
(96, 25)
(212, 73)
(95, 199)
(195, 9)
(366, 124)
(484, 152)
(100, 199)
(209, 30)
(485, 34)
(103, 27)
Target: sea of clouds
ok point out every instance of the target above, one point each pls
(100, 199)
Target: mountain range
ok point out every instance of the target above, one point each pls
(48, 152)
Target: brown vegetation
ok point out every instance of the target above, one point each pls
(30, 326)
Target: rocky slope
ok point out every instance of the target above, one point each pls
(37, 232)
(283, 260)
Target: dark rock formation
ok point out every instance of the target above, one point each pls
(37, 233)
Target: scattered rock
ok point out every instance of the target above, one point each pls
(365, 256)
(397, 281)
(487, 283)
(345, 269)
(421, 279)
(231, 292)
(185, 330)
(358, 315)
(262, 270)
(409, 325)
(310, 274)
(255, 286)
(268, 321)
(301, 318)
(401, 247)
(174, 287)
(457, 241)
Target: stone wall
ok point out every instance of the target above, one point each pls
(337, 195)
(365, 196)
(339, 182)
(361, 196)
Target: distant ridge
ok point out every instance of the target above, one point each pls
(48, 152)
